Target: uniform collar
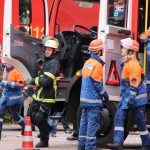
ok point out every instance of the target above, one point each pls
(95, 56)
(122, 60)
(9, 68)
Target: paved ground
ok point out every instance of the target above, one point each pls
(12, 142)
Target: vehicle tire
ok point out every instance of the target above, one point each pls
(105, 134)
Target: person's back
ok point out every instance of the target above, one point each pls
(91, 97)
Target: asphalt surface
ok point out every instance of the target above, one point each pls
(13, 141)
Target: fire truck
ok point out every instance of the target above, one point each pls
(75, 23)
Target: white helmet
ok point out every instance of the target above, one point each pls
(128, 43)
(52, 43)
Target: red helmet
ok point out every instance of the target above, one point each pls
(128, 43)
(96, 45)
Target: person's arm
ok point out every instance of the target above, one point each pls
(48, 76)
(97, 78)
(134, 82)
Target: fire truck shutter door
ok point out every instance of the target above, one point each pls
(113, 76)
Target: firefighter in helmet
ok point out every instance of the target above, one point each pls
(133, 96)
(91, 97)
(45, 94)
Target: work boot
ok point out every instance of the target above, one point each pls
(145, 147)
(42, 144)
(115, 145)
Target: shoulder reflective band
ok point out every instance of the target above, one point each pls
(37, 81)
(58, 78)
(49, 75)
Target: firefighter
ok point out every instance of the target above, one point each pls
(91, 97)
(133, 96)
(45, 93)
(12, 98)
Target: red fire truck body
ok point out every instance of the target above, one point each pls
(75, 23)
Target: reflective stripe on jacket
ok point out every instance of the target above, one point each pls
(12, 86)
(47, 81)
(132, 84)
(92, 82)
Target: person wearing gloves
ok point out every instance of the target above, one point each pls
(44, 96)
(133, 96)
(91, 97)
(12, 98)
